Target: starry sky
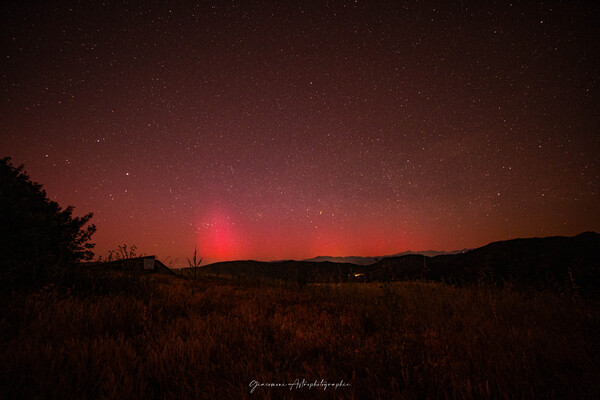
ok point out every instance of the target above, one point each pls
(286, 130)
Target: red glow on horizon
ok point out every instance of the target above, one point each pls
(218, 238)
(222, 234)
(256, 142)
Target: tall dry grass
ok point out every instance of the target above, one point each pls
(145, 337)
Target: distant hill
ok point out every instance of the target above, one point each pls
(372, 260)
(552, 262)
(560, 263)
(350, 259)
(300, 271)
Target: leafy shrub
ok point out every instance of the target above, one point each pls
(38, 236)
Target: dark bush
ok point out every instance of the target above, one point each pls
(37, 236)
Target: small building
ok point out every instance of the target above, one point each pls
(139, 264)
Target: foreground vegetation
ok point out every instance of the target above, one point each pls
(104, 334)
(38, 238)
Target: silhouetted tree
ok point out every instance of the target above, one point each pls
(36, 234)
(124, 252)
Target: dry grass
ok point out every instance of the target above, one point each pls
(164, 337)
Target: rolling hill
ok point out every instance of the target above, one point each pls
(556, 262)
(372, 260)
(540, 262)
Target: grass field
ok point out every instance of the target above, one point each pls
(117, 336)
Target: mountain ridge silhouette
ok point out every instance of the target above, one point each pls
(556, 262)
(361, 260)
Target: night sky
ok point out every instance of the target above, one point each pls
(262, 130)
